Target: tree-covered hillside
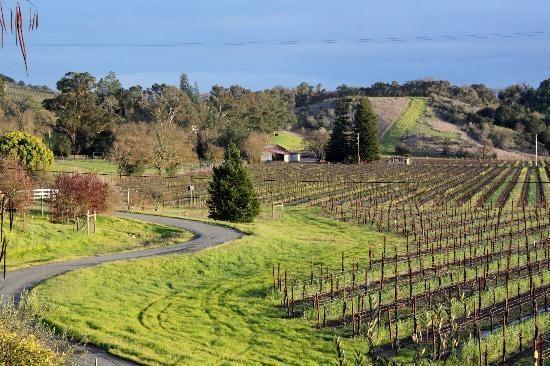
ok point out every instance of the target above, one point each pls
(90, 116)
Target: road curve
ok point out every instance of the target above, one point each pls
(206, 236)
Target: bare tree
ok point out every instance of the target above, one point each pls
(316, 142)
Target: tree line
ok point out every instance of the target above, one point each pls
(163, 126)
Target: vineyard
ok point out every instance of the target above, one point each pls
(405, 123)
(468, 282)
(437, 262)
(471, 280)
(364, 194)
(21, 93)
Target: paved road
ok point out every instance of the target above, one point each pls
(207, 236)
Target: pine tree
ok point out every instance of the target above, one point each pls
(232, 196)
(339, 146)
(185, 86)
(366, 125)
(196, 93)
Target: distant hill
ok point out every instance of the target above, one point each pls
(19, 91)
(411, 126)
(388, 110)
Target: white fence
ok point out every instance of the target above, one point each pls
(43, 193)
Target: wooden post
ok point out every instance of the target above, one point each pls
(88, 222)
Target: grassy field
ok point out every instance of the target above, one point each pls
(289, 140)
(37, 241)
(99, 166)
(213, 307)
(102, 166)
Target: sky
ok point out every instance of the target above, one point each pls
(131, 38)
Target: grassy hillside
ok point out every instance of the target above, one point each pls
(37, 241)
(322, 114)
(410, 123)
(289, 140)
(388, 111)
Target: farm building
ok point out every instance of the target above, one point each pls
(400, 160)
(279, 153)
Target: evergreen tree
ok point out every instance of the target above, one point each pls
(339, 147)
(232, 196)
(185, 86)
(366, 125)
(196, 98)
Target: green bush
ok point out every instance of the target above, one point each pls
(31, 151)
(26, 341)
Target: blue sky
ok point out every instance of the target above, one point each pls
(495, 61)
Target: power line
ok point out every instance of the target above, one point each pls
(366, 40)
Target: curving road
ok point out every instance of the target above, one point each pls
(207, 236)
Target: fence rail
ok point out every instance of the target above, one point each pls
(43, 193)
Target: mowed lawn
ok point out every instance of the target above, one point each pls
(212, 307)
(36, 240)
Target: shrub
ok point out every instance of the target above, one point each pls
(78, 194)
(232, 196)
(15, 183)
(33, 154)
(25, 340)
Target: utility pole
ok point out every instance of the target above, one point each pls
(537, 150)
(358, 150)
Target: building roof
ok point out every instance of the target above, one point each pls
(277, 149)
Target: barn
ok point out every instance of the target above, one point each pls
(279, 153)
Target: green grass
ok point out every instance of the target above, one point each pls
(212, 307)
(99, 166)
(103, 166)
(514, 199)
(410, 122)
(37, 241)
(289, 140)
